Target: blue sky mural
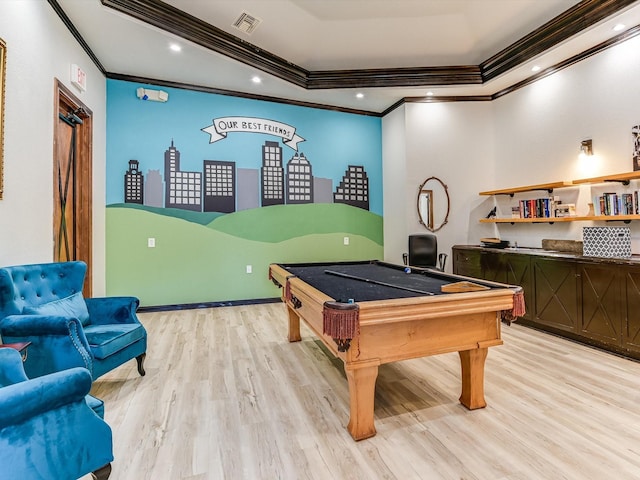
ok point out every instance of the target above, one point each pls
(143, 130)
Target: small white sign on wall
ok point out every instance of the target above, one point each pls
(78, 77)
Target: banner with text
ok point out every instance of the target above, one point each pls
(224, 125)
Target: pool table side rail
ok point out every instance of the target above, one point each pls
(400, 321)
(410, 307)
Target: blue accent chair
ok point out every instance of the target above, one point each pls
(43, 304)
(47, 429)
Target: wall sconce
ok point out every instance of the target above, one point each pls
(586, 148)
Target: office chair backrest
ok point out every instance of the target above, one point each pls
(423, 250)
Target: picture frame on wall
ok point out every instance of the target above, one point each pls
(635, 134)
(3, 65)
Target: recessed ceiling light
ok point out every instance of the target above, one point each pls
(359, 95)
(618, 27)
(535, 68)
(256, 79)
(175, 47)
(429, 94)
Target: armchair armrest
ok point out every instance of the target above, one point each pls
(37, 325)
(57, 342)
(107, 310)
(11, 368)
(30, 398)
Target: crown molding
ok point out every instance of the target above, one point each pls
(569, 23)
(76, 34)
(177, 22)
(233, 93)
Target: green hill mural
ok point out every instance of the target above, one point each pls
(198, 262)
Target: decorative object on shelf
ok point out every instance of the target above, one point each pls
(590, 212)
(608, 242)
(635, 133)
(433, 204)
(586, 148)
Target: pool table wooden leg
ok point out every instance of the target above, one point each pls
(472, 363)
(294, 326)
(362, 387)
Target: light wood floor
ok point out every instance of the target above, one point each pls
(227, 397)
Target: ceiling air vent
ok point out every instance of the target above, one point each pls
(247, 23)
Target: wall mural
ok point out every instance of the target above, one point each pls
(197, 210)
(214, 188)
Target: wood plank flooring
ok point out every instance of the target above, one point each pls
(227, 397)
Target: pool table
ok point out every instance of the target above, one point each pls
(369, 313)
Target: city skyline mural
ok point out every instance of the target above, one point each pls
(215, 189)
(204, 191)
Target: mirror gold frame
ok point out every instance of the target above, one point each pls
(426, 200)
(3, 64)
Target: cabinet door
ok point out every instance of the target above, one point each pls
(556, 293)
(631, 323)
(600, 288)
(492, 266)
(518, 272)
(466, 262)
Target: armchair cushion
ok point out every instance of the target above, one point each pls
(106, 340)
(72, 306)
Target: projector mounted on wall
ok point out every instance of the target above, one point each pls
(153, 95)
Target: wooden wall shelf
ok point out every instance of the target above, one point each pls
(593, 218)
(618, 177)
(624, 178)
(529, 188)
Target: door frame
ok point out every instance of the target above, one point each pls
(65, 100)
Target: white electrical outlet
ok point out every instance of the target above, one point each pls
(151, 242)
(346, 240)
(249, 269)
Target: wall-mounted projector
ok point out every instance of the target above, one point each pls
(153, 95)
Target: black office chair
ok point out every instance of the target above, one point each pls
(423, 252)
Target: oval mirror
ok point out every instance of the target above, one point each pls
(433, 204)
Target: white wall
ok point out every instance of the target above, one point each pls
(394, 174)
(538, 131)
(40, 49)
(451, 141)
(527, 137)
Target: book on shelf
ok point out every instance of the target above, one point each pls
(609, 204)
(565, 210)
(535, 208)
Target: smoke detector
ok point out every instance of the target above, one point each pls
(247, 23)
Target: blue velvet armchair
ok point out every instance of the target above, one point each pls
(43, 304)
(47, 429)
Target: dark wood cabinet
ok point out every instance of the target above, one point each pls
(518, 272)
(631, 327)
(601, 291)
(555, 293)
(596, 301)
(467, 263)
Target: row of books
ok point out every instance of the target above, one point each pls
(617, 204)
(548, 207)
(605, 204)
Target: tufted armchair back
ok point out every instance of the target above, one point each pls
(43, 304)
(34, 285)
